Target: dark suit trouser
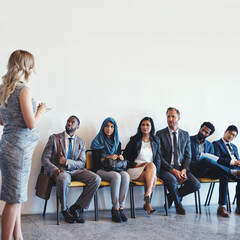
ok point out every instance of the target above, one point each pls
(238, 184)
(211, 169)
(91, 179)
(175, 193)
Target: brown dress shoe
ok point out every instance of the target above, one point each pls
(222, 212)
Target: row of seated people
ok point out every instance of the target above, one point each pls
(170, 155)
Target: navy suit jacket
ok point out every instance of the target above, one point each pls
(209, 148)
(222, 152)
(184, 148)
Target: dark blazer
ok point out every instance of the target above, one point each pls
(221, 151)
(133, 149)
(184, 148)
(77, 159)
(208, 148)
(97, 155)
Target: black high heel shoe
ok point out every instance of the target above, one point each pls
(147, 200)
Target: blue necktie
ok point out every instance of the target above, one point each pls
(176, 166)
(69, 148)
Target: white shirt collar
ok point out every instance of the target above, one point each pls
(67, 136)
(171, 131)
(225, 142)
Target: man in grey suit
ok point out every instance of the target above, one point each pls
(64, 158)
(176, 158)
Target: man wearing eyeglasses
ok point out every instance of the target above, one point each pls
(228, 154)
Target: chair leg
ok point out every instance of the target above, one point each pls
(199, 202)
(58, 215)
(196, 201)
(209, 190)
(96, 205)
(133, 212)
(166, 200)
(209, 195)
(234, 200)
(229, 203)
(130, 193)
(45, 207)
(213, 185)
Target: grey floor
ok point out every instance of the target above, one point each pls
(191, 226)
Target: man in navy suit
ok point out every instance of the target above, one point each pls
(176, 157)
(206, 167)
(229, 156)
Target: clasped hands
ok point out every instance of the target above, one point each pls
(115, 156)
(181, 176)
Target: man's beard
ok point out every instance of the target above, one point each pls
(71, 130)
(201, 137)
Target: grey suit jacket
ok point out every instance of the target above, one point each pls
(50, 154)
(184, 147)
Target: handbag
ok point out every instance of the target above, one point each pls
(114, 165)
(44, 181)
(44, 185)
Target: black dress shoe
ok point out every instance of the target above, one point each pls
(116, 216)
(180, 210)
(123, 216)
(77, 214)
(68, 217)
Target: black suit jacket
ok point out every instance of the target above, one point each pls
(133, 148)
(184, 147)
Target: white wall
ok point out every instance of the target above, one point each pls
(126, 59)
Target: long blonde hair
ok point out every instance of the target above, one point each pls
(20, 65)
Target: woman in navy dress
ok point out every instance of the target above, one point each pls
(19, 116)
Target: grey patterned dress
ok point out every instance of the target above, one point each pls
(16, 149)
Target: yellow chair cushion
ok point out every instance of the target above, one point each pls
(138, 183)
(77, 184)
(208, 180)
(105, 183)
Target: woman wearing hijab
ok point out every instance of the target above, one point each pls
(106, 145)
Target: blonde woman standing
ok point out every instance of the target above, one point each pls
(19, 116)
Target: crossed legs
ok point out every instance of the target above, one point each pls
(148, 176)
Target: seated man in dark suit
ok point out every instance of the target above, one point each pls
(206, 167)
(64, 158)
(176, 157)
(229, 157)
